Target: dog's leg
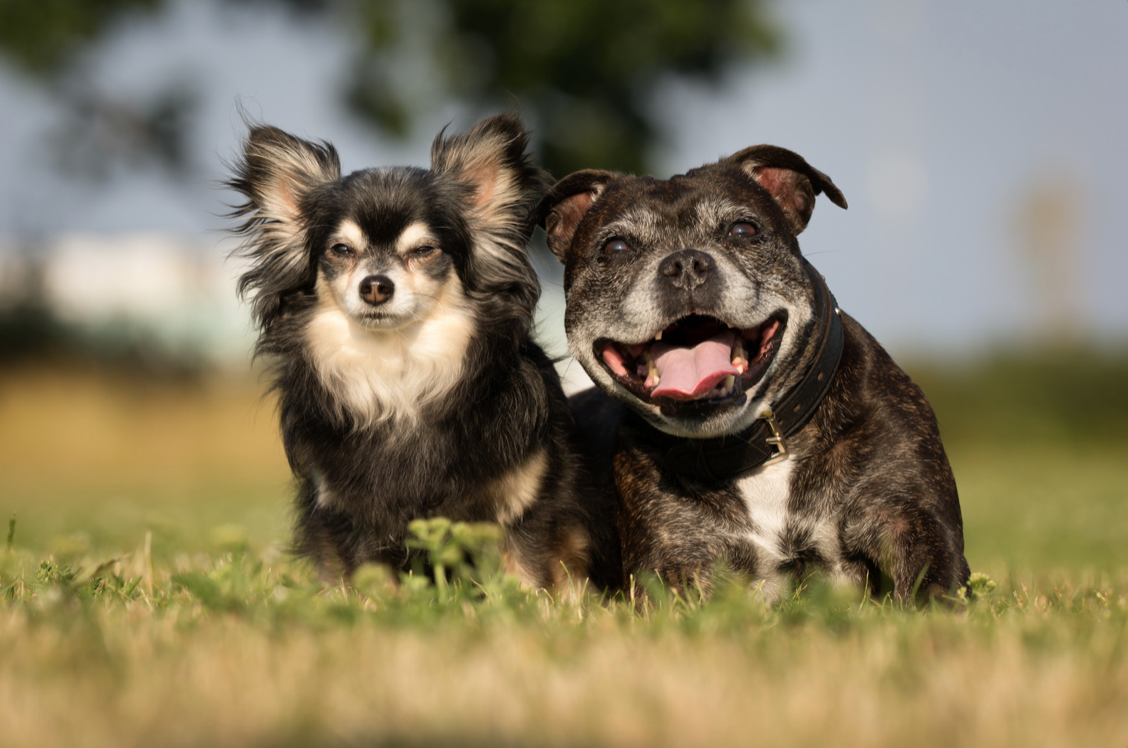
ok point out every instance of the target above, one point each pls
(915, 547)
(555, 560)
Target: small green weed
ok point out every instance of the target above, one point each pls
(459, 554)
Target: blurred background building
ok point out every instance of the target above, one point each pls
(981, 147)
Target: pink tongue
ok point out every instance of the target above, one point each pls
(687, 373)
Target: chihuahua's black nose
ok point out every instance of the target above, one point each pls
(687, 269)
(376, 289)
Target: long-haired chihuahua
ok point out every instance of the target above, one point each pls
(396, 305)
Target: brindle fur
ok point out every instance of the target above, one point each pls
(869, 466)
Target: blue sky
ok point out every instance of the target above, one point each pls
(942, 124)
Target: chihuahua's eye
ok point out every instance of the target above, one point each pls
(616, 246)
(421, 253)
(742, 229)
(341, 250)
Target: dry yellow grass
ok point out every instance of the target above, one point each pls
(64, 426)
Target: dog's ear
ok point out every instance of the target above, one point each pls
(500, 184)
(566, 204)
(275, 174)
(789, 179)
(491, 160)
(278, 170)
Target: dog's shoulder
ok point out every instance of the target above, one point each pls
(878, 419)
(873, 388)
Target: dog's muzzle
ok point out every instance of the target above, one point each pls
(696, 358)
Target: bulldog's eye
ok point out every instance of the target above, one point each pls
(742, 229)
(615, 246)
(340, 250)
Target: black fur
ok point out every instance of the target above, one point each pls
(362, 477)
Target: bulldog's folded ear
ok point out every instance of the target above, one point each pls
(789, 179)
(491, 160)
(566, 204)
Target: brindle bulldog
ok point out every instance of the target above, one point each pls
(742, 416)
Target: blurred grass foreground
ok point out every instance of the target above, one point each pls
(145, 598)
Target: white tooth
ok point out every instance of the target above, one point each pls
(658, 336)
(730, 380)
(738, 351)
(740, 368)
(652, 371)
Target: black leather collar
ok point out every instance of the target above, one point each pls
(727, 457)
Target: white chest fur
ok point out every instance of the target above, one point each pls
(765, 492)
(379, 374)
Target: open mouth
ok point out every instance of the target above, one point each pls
(697, 359)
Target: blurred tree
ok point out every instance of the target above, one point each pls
(583, 71)
(44, 37)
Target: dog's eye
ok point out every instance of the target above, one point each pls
(341, 250)
(616, 246)
(742, 229)
(420, 253)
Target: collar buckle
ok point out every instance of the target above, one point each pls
(775, 440)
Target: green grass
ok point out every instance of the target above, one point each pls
(144, 600)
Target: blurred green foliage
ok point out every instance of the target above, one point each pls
(45, 36)
(1076, 396)
(32, 333)
(582, 71)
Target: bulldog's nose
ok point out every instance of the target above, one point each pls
(376, 289)
(687, 269)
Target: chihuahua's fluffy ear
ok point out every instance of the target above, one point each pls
(276, 174)
(501, 184)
